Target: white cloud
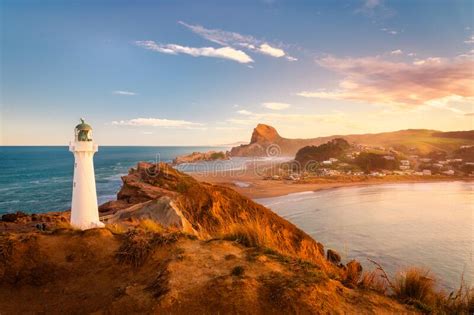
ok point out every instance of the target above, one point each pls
(128, 93)
(237, 40)
(157, 122)
(276, 106)
(397, 52)
(271, 51)
(173, 49)
(244, 112)
(470, 40)
(389, 31)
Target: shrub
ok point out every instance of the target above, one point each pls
(135, 249)
(414, 284)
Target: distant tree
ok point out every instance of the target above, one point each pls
(467, 154)
(332, 149)
(368, 162)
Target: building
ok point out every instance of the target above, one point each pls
(327, 162)
(405, 162)
(84, 207)
(427, 172)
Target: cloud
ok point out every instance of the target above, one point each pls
(157, 122)
(271, 51)
(396, 52)
(276, 106)
(128, 93)
(470, 40)
(389, 31)
(244, 112)
(377, 81)
(237, 40)
(173, 49)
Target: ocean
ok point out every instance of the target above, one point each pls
(397, 225)
(39, 179)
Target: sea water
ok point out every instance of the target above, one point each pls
(39, 179)
(397, 225)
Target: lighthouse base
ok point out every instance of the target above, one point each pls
(88, 225)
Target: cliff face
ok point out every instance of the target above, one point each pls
(159, 192)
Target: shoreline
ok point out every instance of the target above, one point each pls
(260, 189)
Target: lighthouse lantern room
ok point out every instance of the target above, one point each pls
(84, 207)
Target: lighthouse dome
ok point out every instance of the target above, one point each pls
(83, 126)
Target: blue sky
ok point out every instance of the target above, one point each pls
(206, 72)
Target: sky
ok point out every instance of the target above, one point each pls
(207, 72)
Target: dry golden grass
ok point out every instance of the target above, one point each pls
(116, 228)
(373, 280)
(414, 284)
(150, 226)
(417, 287)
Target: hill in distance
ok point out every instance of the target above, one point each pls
(413, 141)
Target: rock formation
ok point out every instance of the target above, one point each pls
(160, 192)
(201, 156)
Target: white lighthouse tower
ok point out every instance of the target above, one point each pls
(84, 208)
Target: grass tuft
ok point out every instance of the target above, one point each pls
(414, 284)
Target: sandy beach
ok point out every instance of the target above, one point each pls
(252, 185)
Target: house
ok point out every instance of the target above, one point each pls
(404, 167)
(389, 157)
(405, 162)
(425, 160)
(327, 162)
(333, 160)
(427, 172)
(449, 172)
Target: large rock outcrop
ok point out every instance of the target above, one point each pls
(160, 192)
(266, 141)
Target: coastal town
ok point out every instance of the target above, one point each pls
(384, 162)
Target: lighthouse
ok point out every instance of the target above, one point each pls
(84, 208)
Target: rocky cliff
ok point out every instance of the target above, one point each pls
(161, 193)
